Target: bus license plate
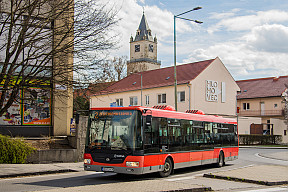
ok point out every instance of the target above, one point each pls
(108, 169)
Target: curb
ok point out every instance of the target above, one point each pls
(37, 173)
(202, 189)
(268, 183)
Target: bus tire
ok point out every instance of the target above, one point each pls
(221, 160)
(168, 168)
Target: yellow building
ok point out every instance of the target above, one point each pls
(44, 108)
(205, 85)
(261, 106)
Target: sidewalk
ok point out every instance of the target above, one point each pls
(16, 170)
(259, 174)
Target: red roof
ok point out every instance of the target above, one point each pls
(158, 78)
(264, 87)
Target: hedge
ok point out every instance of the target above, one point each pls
(14, 150)
(260, 139)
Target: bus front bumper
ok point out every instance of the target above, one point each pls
(113, 169)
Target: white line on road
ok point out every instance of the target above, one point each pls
(257, 155)
(201, 174)
(268, 189)
(184, 178)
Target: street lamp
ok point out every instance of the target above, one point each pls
(175, 75)
(141, 84)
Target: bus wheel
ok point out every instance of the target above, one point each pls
(221, 161)
(168, 167)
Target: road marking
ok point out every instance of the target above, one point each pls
(268, 189)
(257, 155)
(184, 178)
(201, 174)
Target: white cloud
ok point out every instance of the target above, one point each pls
(255, 45)
(242, 61)
(271, 38)
(160, 22)
(243, 23)
(223, 15)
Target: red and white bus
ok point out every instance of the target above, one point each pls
(139, 140)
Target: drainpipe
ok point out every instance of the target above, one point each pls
(189, 99)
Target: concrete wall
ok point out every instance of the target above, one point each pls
(63, 71)
(53, 155)
(279, 126)
(65, 155)
(81, 137)
(245, 122)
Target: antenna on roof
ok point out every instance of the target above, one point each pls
(143, 9)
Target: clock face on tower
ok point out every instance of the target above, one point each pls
(150, 48)
(137, 48)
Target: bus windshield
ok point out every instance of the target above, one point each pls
(114, 129)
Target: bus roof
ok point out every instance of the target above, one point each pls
(174, 114)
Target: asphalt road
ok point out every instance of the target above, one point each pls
(247, 157)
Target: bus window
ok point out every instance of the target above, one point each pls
(208, 133)
(174, 135)
(198, 131)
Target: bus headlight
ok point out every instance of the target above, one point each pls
(87, 161)
(132, 164)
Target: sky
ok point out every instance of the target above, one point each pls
(249, 36)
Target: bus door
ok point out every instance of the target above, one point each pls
(208, 144)
(163, 135)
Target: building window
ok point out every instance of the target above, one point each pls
(150, 48)
(161, 98)
(181, 96)
(246, 106)
(133, 101)
(147, 100)
(137, 48)
(275, 105)
(119, 102)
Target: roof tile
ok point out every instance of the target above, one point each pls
(158, 78)
(264, 87)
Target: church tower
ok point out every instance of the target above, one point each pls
(143, 50)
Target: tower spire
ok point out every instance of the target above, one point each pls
(143, 31)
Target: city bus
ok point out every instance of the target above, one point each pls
(140, 140)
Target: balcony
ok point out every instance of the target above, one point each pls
(144, 60)
(261, 113)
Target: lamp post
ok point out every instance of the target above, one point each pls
(175, 75)
(141, 89)
(141, 84)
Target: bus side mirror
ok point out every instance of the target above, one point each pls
(148, 119)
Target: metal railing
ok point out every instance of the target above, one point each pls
(145, 60)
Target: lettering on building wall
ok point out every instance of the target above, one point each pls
(212, 91)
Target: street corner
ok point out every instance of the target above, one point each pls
(260, 174)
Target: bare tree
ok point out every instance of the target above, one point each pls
(109, 70)
(285, 101)
(41, 38)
